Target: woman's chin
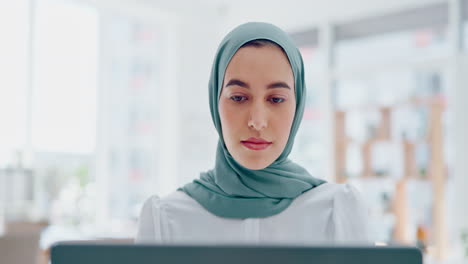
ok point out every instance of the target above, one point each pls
(255, 165)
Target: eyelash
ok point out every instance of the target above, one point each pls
(244, 98)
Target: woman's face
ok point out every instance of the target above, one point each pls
(257, 105)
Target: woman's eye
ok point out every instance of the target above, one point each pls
(276, 100)
(237, 98)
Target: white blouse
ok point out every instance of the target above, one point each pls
(326, 214)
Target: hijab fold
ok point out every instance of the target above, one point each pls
(229, 189)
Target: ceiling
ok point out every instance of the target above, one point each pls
(320, 9)
(290, 15)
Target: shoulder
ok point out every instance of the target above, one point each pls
(349, 213)
(341, 198)
(178, 199)
(174, 201)
(148, 222)
(154, 215)
(331, 192)
(348, 203)
(345, 194)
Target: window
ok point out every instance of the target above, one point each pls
(14, 80)
(65, 77)
(129, 110)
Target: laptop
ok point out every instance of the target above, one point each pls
(69, 253)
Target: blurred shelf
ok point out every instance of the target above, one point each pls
(434, 166)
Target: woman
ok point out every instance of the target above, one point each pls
(255, 194)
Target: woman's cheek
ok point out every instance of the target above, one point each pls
(230, 117)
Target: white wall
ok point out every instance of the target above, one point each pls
(198, 41)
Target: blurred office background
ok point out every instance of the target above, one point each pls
(104, 103)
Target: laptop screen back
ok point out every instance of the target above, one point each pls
(155, 254)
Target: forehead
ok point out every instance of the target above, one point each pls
(268, 61)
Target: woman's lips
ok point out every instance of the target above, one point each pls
(256, 143)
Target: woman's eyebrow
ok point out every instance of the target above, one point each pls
(240, 83)
(237, 82)
(278, 85)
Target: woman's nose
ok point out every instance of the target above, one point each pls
(258, 118)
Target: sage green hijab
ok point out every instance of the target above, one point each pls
(230, 189)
